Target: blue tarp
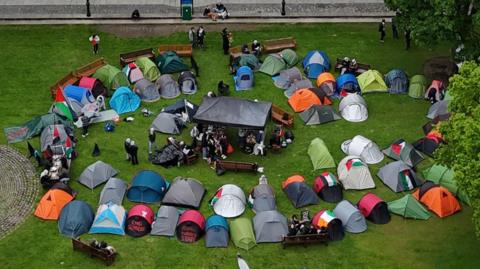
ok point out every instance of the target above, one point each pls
(124, 101)
(147, 187)
(244, 78)
(315, 63)
(75, 219)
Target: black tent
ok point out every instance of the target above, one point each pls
(182, 106)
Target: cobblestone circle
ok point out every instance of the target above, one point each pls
(18, 189)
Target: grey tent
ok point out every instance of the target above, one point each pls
(397, 81)
(287, 77)
(317, 114)
(56, 137)
(147, 91)
(75, 219)
(233, 112)
(353, 221)
(113, 192)
(167, 123)
(270, 226)
(399, 177)
(353, 108)
(297, 85)
(401, 150)
(166, 221)
(263, 198)
(187, 82)
(96, 173)
(180, 107)
(438, 109)
(300, 194)
(168, 86)
(184, 192)
(216, 232)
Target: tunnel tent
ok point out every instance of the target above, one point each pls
(76, 218)
(363, 147)
(270, 226)
(111, 77)
(352, 219)
(148, 67)
(146, 90)
(216, 232)
(166, 221)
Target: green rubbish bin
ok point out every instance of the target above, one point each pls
(186, 13)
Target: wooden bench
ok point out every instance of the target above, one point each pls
(278, 116)
(104, 255)
(235, 52)
(184, 50)
(191, 159)
(130, 57)
(276, 45)
(69, 79)
(306, 239)
(238, 166)
(90, 69)
(361, 67)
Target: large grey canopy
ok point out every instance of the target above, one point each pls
(353, 221)
(166, 221)
(113, 192)
(167, 123)
(168, 86)
(184, 192)
(263, 198)
(270, 226)
(233, 112)
(147, 91)
(318, 114)
(96, 173)
(399, 177)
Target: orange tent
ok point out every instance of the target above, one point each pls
(324, 77)
(305, 98)
(294, 178)
(52, 203)
(439, 200)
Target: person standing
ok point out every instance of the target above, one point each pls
(382, 30)
(192, 37)
(134, 152)
(151, 140)
(394, 28)
(225, 41)
(85, 125)
(126, 145)
(94, 40)
(408, 39)
(201, 37)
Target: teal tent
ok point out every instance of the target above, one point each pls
(169, 63)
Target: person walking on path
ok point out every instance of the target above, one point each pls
(134, 152)
(225, 41)
(192, 37)
(382, 29)
(126, 145)
(201, 37)
(151, 140)
(408, 39)
(94, 40)
(85, 125)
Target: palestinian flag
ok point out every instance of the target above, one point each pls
(56, 135)
(397, 148)
(353, 162)
(407, 181)
(330, 178)
(217, 196)
(62, 105)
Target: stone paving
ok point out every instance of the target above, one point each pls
(18, 189)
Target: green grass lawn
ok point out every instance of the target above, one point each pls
(34, 57)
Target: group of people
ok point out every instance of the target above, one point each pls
(256, 48)
(56, 172)
(303, 225)
(131, 150)
(349, 66)
(210, 141)
(280, 137)
(382, 29)
(197, 37)
(217, 11)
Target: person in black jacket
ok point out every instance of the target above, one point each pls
(226, 42)
(382, 29)
(85, 125)
(201, 37)
(151, 140)
(134, 152)
(126, 145)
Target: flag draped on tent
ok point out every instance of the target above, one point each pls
(61, 104)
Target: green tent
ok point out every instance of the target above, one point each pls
(409, 207)
(242, 233)
(418, 84)
(273, 64)
(169, 63)
(249, 60)
(372, 81)
(290, 57)
(320, 155)
(34, 127)
(111, 77)
(149, 69)
(446, 178)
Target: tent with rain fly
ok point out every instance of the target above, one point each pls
(399, 177)
(147, 90)
(353, 108)
(305, 98)
(147, 187)
(354, 174)
(262, 197)
(286, 77)
(446, 178)
(317, 114)
(133, 72)
(438, 199)
(409, 208)
(57, 137)
(191, 226)
(363, 147)
(270, 226)
(418, 84)
(124, 101)
(401, 150)
(290, 57)
(169, 63)
(327, 187)
(139, 221)
(113, 191)
(187, 82)
(148, 67)
(168, 86)
(372, 81)
(180, 107)
(168, 123)
(241, 232)
(94, 85)
(429, 143)
(315, 63)
(297, 85)
(352, 219)
(438, 109)
(184, 192)
(229, 201)
(374, 209)
(249, 60)
(166, 221)
(326, 219)
(75, 219)
(396, 81)
(298, 192)
(216, 232)
(110, 219)
(273, 64)
(326, 82)
(243, 79)
(51, 204)
(347, 83)
(319, 154)
(96, 174)
(111, 77)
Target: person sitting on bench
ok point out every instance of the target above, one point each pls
(345, 65)
(256, 48)
(353, 66)
(250, 142)
(245, 49)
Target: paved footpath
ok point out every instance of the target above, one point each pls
(18, 189)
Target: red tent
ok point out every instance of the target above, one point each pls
(139, 221)
(94, 85)
(191, 226)
(374, 208)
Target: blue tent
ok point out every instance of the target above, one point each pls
(243, 79)
(147, 187)
(216, 232)
(347, 82)
(315, 63)
(75, 219)
(124, 100)
(79, 94)
(110, 219)
(397, 81)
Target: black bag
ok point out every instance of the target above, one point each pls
(223, 89)
(206, 11)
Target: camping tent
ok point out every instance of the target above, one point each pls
(354, 174)
(290, 57)
(326, 82)
(399, 177)
(440, 108)
(315, 63)
(169, 63)
(270, 226)
(57, 137)
(124, 101)
(64, 187)
(184, 192)
(243, 79)
(417, 87)
(132, 72)
(435, 123)
(273, 64)
(94, 85)
(374, 209)
(242, 233)
(233, 112)
(317, 114)
(81, 95)
(408, 207)
(446, 178)
(347, 83)
(353, 221)
(147, 187)
(397, 81)
(438, 199)
(75, 219)
(166, 221)
(326, 219)
(305, 98)
(297, 85)
(51, 204)
(182, 106)
(286, 77)
(429, 143)
(327, 187)
(400, 150)
(371, 81)
(167, 123)
(113, 191)
(363, 147)
(353, 108)
(298, 192)
(262, 198)
(249, 60)
(168, 86)
(147, 91)
(229, 201)
(96, 173)
(149, 69)
(139, 221)
(187, 82)
(191, 226)
(110, 219)
(319, 154)
(216, 232)
(111, 77)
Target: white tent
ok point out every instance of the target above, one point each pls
(353, 108)
(363, 147)
(354, 174)
(229, 201)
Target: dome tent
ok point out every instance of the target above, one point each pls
(297, 85)
(167, 123)
(438, 109)
(149, 69)
(298, 192)
(273, 64)
(290, 57)
(75, 219)
(438, 199)
(262, 197)
(353, 108)
(147, 187)
(396, 81)
(216, 232)
(347, 83)
(169, 63)
(190, 227)
(317, 114)
(94, 85)
(304, 98)
(400, 150)
(166, 221)
(399, 177)
(111, 77)
(286, 77)
(417, 87)
(229, 201)
(184, 192)
(132, 72)
(52, 203)
(353, 221)
(372, 81)
(354, 174)
(315, 63)
(81, 95)
(124, 101)
(408, 207)
(374, 209)
(139, 221)
(113, 191)
(187, 82)
(110, 219)
(445, 177)
(319, 155)
(147, 91)
(243, 79)
(56, 136)
(327, 187)
(168, 86)
(326, 82)
(270, 226)
(326, 219)
(363, 147)
(249, 60)
(96, 174)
